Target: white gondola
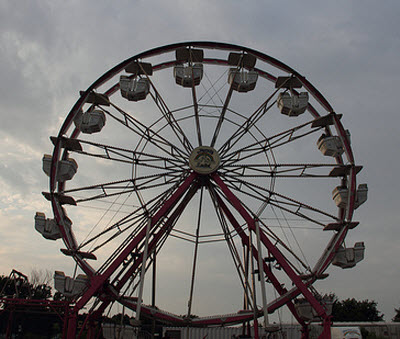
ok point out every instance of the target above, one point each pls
(331, 146)
(90, 122)
(308, 313)
(292, 105)
(362, 194)
(349, 257)
(340, 195)
(68, 286)
(48, 228)
(242, 81)
(188, 76)
(66, 168)
(134, 89)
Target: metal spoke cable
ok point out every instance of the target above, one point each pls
(115, 184)
(97, 223)
(169, 117)
(196, 112)
(232, 248)
(278, 170)
(287, 242)
(287, 248)
(196, 248)
(287, 200)
(212, 86)
(249, 123)
(255, 148)
(246, 127)
(131, 217)
(172, 221)
(222, 115)
(295, 239)
(278, 136)
(156, 203)
(107, 226)
(131, 189)
(131, 155)
(144, 132)
(278, 241)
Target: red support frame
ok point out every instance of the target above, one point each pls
(152, 245)
(275, 282)
(277, 255)
(98, 281)
(61, 308)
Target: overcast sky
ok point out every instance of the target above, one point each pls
(49, 50)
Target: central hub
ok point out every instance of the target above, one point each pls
(204, 160)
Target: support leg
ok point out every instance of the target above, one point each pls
(305, 332)
(72, 322)
(326, 332)
(92, 329)
(10, 324)
(256, 336)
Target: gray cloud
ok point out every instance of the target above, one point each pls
(52, 49)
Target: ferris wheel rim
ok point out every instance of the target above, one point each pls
(57, 152)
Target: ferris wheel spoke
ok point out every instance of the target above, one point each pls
(249, 123)
(222, 115)
(196, 114)
(146, 133)
(122, 252)
(195, 254)
(135, 217)
(280, 258)
(162, 230)
(119, 231)
(133, 185)
(254, 250)
(224, 109)
(251, 170)
(221, 210)
(284, 244)
(119, 227)
(86, 147)
(216, 91)
(276, 199)
(169, 117)
(268, 144)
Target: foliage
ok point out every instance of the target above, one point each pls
(42, 292)
(354, 310)
(19, 288)
(15, 287)
(397, 316)
(117, 318)
(370, 335)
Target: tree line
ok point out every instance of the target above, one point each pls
(17, 285)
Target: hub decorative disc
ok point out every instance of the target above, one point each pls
(204, 160)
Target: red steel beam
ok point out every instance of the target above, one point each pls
(272, 249)
(97, 281)
(275, 282)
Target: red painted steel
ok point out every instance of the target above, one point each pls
(275, 282)
(272, 249)
(98, 280)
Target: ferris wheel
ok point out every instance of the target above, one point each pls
(206, 168)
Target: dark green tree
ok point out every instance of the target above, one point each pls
(397, 315)
(41, 292)
(354, 310)
(15, 287)
(118, 318)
